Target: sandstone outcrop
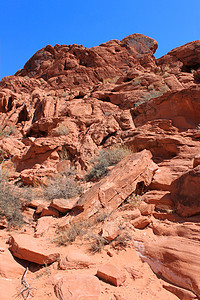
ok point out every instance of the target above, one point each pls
(66, 105)
(120, 183)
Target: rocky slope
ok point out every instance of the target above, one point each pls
(133, 234)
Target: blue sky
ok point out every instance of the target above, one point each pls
(29, 25)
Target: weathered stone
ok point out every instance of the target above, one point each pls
(9, 268)
(122, 181)
(78, 286)
(141, 222)
(111, 274)
(175, 258)
(63, 205)
(28, 248)
(185, 193)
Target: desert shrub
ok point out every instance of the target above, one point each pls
(10, 130)
(68, 235)
(152, 94)
(97, 243)
(29, 193)
(62, 130)
(63, 154)
(61, 187)
(106, 158)
(122, 241)
(134, 199)
(10, 204)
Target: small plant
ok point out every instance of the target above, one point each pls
(122, 241)
(152, 94)
(97, 244)
(101, 217)
(198, 127)
(64, 95)
(10, 130)
(105, 159)
(68, 235)
(133, 199)
(62, 130)
(106, 114)
(10, 204)
(62, 187)
(63, 154)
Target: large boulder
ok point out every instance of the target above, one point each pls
(182, 107)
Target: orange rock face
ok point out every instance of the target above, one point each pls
(66, 105)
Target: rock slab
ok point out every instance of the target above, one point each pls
(32, 249)
(111, 274)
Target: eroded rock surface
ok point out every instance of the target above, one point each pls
(66, 105)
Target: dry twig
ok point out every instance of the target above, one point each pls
(26, 291)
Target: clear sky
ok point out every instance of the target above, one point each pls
(29, 25)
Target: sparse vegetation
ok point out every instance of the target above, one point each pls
(152, 94)
(62, 130)
(134, 199)
(97, 243)
(62, 187)
(106, 158)
(122, 241)
(10, 130)
(10, 203)
(68, 235)
(63, 154)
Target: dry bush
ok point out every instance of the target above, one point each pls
(122, 241)
(68, 235)
(106, 158)
(63, 154)
(97, 243)
(10, 130)
(61, 187)
(151, 95)
(62, 130)
(133, 199)
(10, 204)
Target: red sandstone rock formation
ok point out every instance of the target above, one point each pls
(56, 114)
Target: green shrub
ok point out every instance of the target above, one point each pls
(62, 187)
(10, 204)
(105, 159)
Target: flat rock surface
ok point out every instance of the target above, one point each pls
(78, 286)
(32, 249)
